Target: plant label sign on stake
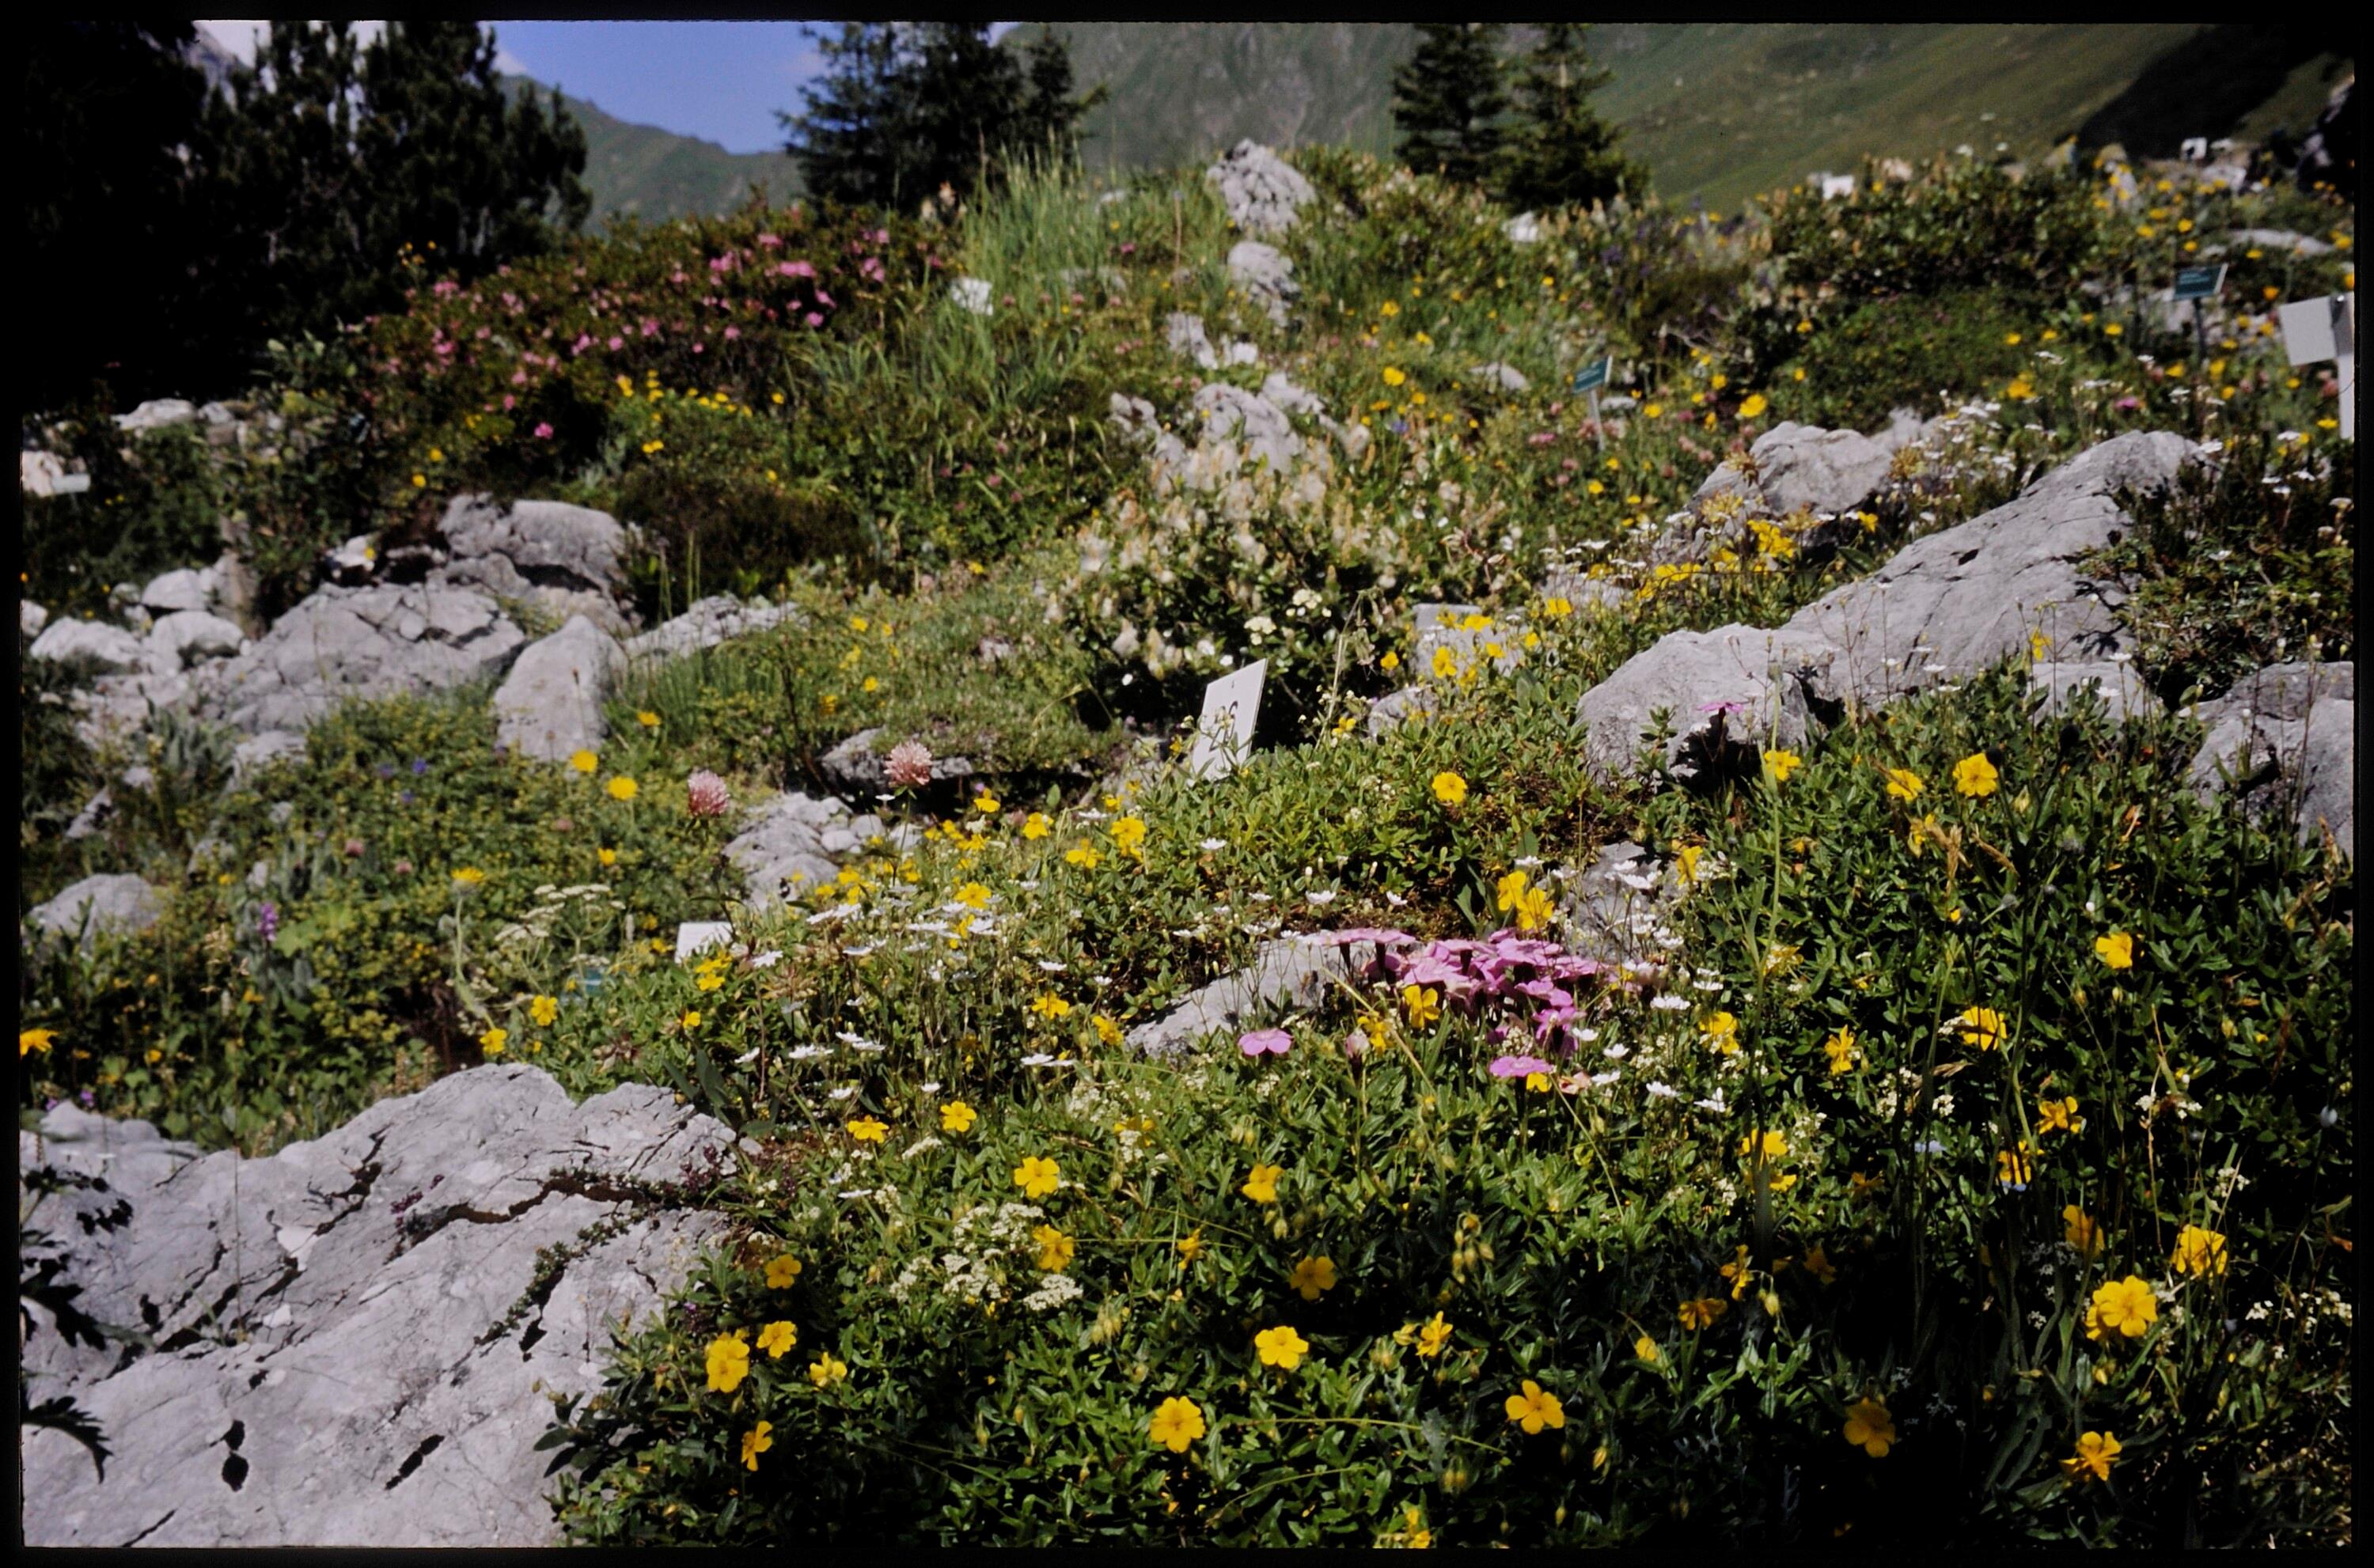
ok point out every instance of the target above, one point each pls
(698, 936)
(1590, 379)
(2318, 330)
(1225, 733)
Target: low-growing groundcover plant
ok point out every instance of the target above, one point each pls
(1958, 1170)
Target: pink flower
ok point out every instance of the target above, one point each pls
(507, 401)
(910, 765)
(796, 269)
(814, 320)
(771, 242)
(700, 348)
(1519, 1066)
(732, 333)
(705, 794)
(824, 299)
(616, 341)
(1273, 1041)
(543, 431)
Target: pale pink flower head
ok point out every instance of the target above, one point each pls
(909, 765)
(1275, 1042)
(705, 794)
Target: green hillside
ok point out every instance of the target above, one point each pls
(656, 175)
(1719, 110)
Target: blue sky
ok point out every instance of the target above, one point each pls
(721, 81)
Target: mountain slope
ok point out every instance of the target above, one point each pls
(1719, 110)
(656, 175)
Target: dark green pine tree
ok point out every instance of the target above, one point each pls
(1048, 124)
(1563, 154)
(850, 137)
(966, 105)
(1447, 101)
(109, 112)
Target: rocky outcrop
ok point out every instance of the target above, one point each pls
(550, 704)
(182, 638)
(91, 646)
(856, 767)
(341, 643)
(1803, 467)
(1265, 274)
(114, 903)
(1262, 193)
(568, 560)
(1289, 971)
(705, 623)
(2285, 740)
(355, 1342)
(795, 842)
(1507, 378)
(1185, 332)
(1944, 608)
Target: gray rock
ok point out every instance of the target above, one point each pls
(568, 560)
(2284, 739)
(783, 847)
(2123, 692)
(1617, 907)
(116, 708)
(1232, 414)
(1944, 609)
(1397, 708)
(1800, 466)
(1185, 332)
(359, 1356)
(971, 294)
(856, 767)
(113, 903)
(90, 646)
(262, 750)
(184, 636)
(1525, 228)
(1904, 428)
(1508, 377)
(1134, 420)
(156, 414)
(1442, 625)
(31, 618)
(187, 588)
(1265, 274)
(550, 704)
(44, 473)
(2280, 240)
(1262, 193)
(1293, 971)
(342, 643)
(705, 623)
(93, 816)
(353, 563)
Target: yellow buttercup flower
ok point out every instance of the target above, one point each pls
(1261, 1185)
(1778, 765)
(1176, 1423)
(1841, 1049)
(729, 1362)
(1753, 406)
(1533, 1408)
(2117, 949)
(1037, 825)
(1424, 1004)
(1974, 775)
(1312, 1275)
(584, 761)
(469, 876)
(1645, 1347)
(1433, 1336)
(2080, 1232)
(957, 1117)
(1449, 787)
(2096, 1452)
(1281, 1347)
(1981, 1027)
(1037, 1176)
(1722, 1031)
(755, 1442)
(782, 1271)
(1904, 784)
(2199, 1252)
(827, 1369)
(1055, 1249)
(1703, 1312)
(776, 1338)
(622, 787)
(1870, 1428)
(31, 1040)
(493, 1040)
(2126, 1307)
(867, 1130)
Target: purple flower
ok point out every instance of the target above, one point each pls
(385, 770)
(1518, 1066)
(88, 1098)
(404, 798)
(267, 919)
(419, 766)
(1273, 1041)
(1378, 935)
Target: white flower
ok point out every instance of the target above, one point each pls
(851, 1038)
(809, 1053)
(767, 960)
(1323, 897)
(1041, 1058)
(839, 1094)
(1665, 1002)
(746, 1058)
(1604, 1079)
(1617, 1052)
(1051, 966)
(1054, 1291)
(1663, 1091)
(1214, 845)
(1712, 1102)
(931, 1088)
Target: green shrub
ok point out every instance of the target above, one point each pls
(1962, 225)
(154, 504)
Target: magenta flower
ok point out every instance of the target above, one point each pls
(1519, 1066)
(705, 794)
(1273, 1041)
(543, 430)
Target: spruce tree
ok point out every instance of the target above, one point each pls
(1447, 101)
(1563, 154)
(1048, 124)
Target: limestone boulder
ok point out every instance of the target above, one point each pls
(705, 623)
(570, 560)
(90, 646)
(550, 704)
(1266, 274)
(342, 643)
(106, 904)
(1262, 192)
(2285, 742)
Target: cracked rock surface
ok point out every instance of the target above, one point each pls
(351, 1340)
(349, 642)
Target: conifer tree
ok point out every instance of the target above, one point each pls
(1562, 153)
(1447, 101)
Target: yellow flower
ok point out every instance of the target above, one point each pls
(31, 1040)
(1870, 1428)
(957, 1117)
(1652, 411)
(1974, 775)
(1129, 833)
(1817, 1263)
(1841, 1049)
(711, 982)
(827, 1369)
(729, 1362)
(1449, 787)
(1037, 825)
(691, 1018)
(1312, 1275)
(1753, 406)
(1055, 1249)
(1446, 665)
(2096, 1452)
(622, 787)
(1035, 1177)
(1774, 1145)
(2020, 389)
(755, 1442)
(1424, 1004)
(2125, 1306)
(1533, 1409)
(494, 1039)
(1108, 1030)
(2079, 1230)
(469, 876)
(1777, 766)
(2199, 1252)
(1191, 1246)
(986, 804)
(1703, 1312)
(973, 895)
(1084, 856)
(1261, 1185)
(1050, 1006)
(1722, 1031)
(868, 1129)
(647, 719)
(1904, 784)
(1644, 1348)
(584, 761)
(607, 857)
(782, 1271)
(1982, 1027)
(2058, 1115)
(1281, 1347)
(2117, 949)
(1393, 378)
(2014, 1167)
(1176, 1424)
(1433, 1336)
(776, 1338)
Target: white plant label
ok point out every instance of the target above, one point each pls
(1225, 735)
(698, 936)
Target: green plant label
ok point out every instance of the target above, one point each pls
(1593, 376)
(2200, 283)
